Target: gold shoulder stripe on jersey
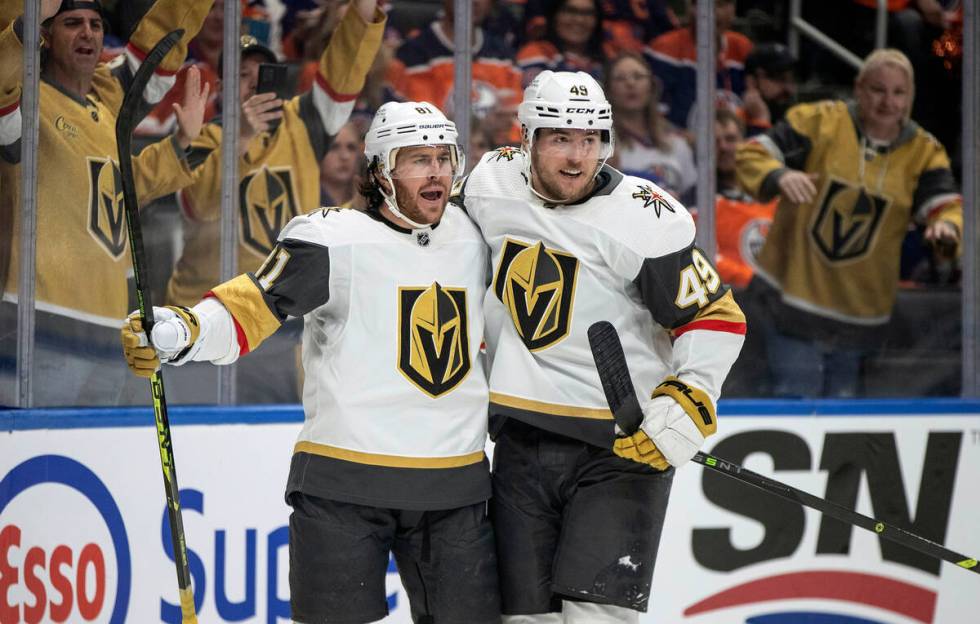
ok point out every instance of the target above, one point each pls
(695, 402)
(245, 303)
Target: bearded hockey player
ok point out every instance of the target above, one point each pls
(391, 455)
(577, 511)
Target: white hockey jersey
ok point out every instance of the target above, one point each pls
(395, 394)
(626, 255)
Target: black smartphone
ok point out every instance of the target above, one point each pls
(274, 78)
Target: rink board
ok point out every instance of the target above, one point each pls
(82, 512)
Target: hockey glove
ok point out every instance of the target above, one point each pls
(175, 331)
(676, 421)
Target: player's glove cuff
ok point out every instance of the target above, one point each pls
(677, 419)
(175, 334)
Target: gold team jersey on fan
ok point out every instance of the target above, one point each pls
(835, 261)
(280, 173)
(82, 244)
(395, 394)
(626, 255)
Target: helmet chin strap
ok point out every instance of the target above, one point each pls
(392, 203)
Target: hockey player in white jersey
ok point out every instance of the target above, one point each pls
(391, 454)
(578, 511)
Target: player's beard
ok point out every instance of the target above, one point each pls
(549, 182)
(408, 203)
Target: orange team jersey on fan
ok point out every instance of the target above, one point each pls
(741, 225)
(422, 71)
(673, 58)
(537, 56)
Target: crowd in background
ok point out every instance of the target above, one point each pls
(769, 104)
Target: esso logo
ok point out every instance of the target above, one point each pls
(64, 553)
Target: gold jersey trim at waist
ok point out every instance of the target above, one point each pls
(388, 461)
(553, 409)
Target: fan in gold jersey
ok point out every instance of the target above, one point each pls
(851, 176)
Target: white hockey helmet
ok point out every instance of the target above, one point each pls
(573, 100)
(409, 124)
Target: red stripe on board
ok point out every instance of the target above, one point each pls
(899, 597)
(141, 55)
(333, 95)
(239, 332)
(722, 326)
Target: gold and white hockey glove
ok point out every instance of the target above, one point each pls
(676, 421)
(175, 331)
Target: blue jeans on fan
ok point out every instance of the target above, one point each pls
(810, 369)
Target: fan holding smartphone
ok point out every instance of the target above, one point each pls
(283, 140)
(274, 79)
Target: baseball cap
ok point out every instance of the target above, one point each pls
(772, 57)
(72, 5)
(250, 45)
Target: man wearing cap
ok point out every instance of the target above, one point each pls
(82, 247)
(281, 146)
(770, 86)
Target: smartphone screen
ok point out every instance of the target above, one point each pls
(273, 78)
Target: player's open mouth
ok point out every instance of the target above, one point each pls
(85, 51)
(570, 174)
(432, 195)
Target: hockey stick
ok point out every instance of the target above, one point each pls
(126, 122)
(610, 361)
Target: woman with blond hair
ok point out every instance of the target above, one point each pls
(850, 177)
(647, 146)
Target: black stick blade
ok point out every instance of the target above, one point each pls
(610, 362)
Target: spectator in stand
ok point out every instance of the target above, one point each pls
(741, 222)
(673, 57)
(281, 147)
(480, 143)
(422, 70)
(573, 42)
(647, 146)
(628, 24)
(741, 225)
(82, 245)
(203, 52)
(850, 176)
(770, 86)
(372, 96)
(338, 169)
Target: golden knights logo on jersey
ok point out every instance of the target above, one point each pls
(537, 286)
(433, 337)
(267, 203)
(106, 209)
(847, 221)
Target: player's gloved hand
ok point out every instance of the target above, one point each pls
(175, 330)
(676, 421)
